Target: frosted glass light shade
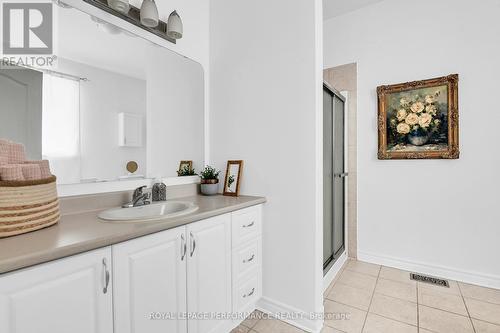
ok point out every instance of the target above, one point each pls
(121, 6)
(174, 26)
(149, 13)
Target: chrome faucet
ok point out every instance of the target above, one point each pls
(139, 198)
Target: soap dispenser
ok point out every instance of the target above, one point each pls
(159, 191)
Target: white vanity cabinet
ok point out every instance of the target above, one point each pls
(160, 278)
(149, 283)
(246, 258)
(73, 294)
(189, 279)
(209, 273)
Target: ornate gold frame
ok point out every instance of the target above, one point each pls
(453, 148)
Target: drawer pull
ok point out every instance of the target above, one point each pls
(249, 259)
(106, 276)
(249, 294)
(249, 225)
(183, 247)
(193, 243)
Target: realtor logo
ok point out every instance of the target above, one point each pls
(27, 28)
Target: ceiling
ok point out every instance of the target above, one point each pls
(332, 8)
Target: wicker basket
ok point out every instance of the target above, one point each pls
(27, 206)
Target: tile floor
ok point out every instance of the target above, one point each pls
(380, 299)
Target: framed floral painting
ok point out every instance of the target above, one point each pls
(419, 120)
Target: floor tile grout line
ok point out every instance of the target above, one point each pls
(410, 282)
(466, 308)
(344, 304)
(401, 299)
(480, 300)
(371, 300)
(453, 313)
(485, 321)
(351, 270)
(423, 305)
(418, 311)
(392, 319)
(450, 312)
(348, 285)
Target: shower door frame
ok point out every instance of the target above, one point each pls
(335, 256)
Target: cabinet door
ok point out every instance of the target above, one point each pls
(209, 272)
(150, 283)
(61, 296)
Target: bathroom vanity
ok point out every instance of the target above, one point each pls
(197, 273)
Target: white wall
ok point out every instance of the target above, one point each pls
(265, 108)
(102, 98)
(175, 103)
(435, 216)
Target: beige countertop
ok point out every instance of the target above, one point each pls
(81, 232)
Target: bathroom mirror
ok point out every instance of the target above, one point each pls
(111, 98)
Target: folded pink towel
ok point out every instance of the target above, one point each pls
(17, 153)
(4, 148)
(44, 168)
(11, 172)
(3, 160)
(14, 151)
(31, 171)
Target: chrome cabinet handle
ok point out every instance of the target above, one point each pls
(249, 294)
(106, 276)
(183, 247)
(249, 225)
(193, 243)
(249, 259)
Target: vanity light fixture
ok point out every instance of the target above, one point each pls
(174, 26)
(145, 18)
(149, 13)
(121, 6)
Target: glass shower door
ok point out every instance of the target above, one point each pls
(333, 176)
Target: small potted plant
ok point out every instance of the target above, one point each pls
(209, 181)
(186, 171)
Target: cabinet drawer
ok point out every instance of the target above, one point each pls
(247, 292)
(247, 224)
(246, 258)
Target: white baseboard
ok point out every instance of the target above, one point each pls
(334, 270)
(289, 315)
(485, 280)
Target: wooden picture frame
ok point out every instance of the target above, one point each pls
(233, 178)
(419, 120)
(184, 164)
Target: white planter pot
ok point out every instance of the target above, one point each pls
(209, 189)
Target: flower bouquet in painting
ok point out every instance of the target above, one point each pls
(418, 120)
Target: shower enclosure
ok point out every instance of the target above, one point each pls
(334, 176)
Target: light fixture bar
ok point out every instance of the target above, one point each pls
(134, 17)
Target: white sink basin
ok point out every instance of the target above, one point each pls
(155, 211)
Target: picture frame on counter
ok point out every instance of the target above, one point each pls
(233, 178)
(185, 164)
